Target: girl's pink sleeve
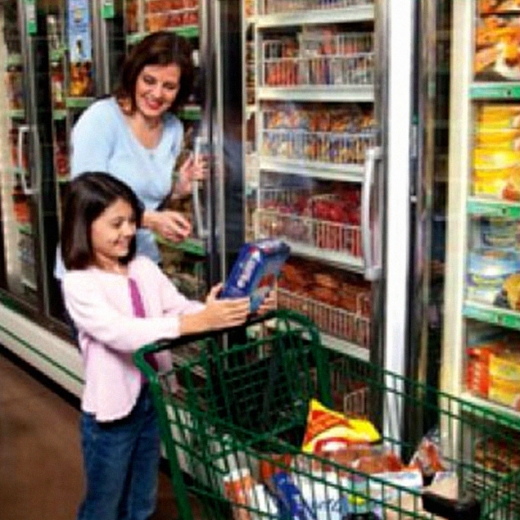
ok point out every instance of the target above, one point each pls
(96, 317)
(174, 303)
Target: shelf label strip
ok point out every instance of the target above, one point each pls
(495, 317)
(107, 9)
(492, 209)
(494, 91)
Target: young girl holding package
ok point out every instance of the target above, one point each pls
(120, 302)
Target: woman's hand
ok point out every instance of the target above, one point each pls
(170, 225)
(270, 303)
(191, 170)
(217, 314)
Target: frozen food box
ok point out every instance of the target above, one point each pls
(255, 270)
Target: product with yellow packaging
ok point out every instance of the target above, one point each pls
(504, 385)
(496, 174)
(327, 429)
(498, 116)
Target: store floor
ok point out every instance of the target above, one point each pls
(40, 460)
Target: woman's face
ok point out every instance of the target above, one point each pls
(156, 88)
(112, 233)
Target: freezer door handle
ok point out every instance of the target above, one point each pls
(22, 130)
(197, 211)
(372, 267)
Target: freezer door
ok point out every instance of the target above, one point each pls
(28, 212)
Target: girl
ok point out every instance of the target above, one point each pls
(119, 302)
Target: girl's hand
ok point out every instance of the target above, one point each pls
(170, 225)
(270, 303)
(190, 171)
(220, 314)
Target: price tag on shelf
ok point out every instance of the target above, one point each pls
(495, 91)
(30, 16)
(107, 9)
(503, 318)
(493, 209)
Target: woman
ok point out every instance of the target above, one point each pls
(135, 136)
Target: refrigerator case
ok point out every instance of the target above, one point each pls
(309, 123)
(482, 324)
(25, 144)
(29, 294)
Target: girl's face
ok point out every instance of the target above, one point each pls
(156, 89)
(112, 233)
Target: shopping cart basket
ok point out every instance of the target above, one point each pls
(234, 414)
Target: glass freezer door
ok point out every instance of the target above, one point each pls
(22, 155)
(123, 26)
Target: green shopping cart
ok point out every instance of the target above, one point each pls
(233, 413)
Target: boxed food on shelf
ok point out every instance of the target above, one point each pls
(499, 233)
(498, 116)
(496, 173)
(337, 301)
(328, 221)
(320, 56)
(318, 133)
(14, 87)
(504, 384)
(477, 366)
(489, 276)
(497, 42)
(498, 6)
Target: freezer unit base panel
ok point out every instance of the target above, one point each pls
(57, 359)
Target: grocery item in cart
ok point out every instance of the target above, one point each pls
(289, 498)
(255, 271)
(330, 430)
(237, 487)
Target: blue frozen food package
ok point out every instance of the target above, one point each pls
(291, 504)
(255, 270)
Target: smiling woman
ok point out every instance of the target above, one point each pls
(135, 135)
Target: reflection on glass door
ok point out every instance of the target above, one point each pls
(130, 21)
(15, 127)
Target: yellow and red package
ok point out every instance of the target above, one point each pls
(329, 430)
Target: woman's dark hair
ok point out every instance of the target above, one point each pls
(88, 196)
(158, 48)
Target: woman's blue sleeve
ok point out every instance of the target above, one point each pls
(92, 141)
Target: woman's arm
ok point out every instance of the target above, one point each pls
(92, 140)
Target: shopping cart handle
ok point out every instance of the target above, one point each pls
(192, 338)
(467, 508)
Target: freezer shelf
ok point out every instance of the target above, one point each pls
(352, 327)
(492, 315)
(493, 208)
(325, 93)
(286, 12)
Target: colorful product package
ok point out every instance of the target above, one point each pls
(255, 271)
(291, 503)
(330, 430)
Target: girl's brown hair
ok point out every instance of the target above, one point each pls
(88, 196)
(159, 48)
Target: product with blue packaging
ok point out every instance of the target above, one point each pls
(291, 504)
(255, 271)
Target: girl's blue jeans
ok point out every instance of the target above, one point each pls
(121, 464)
